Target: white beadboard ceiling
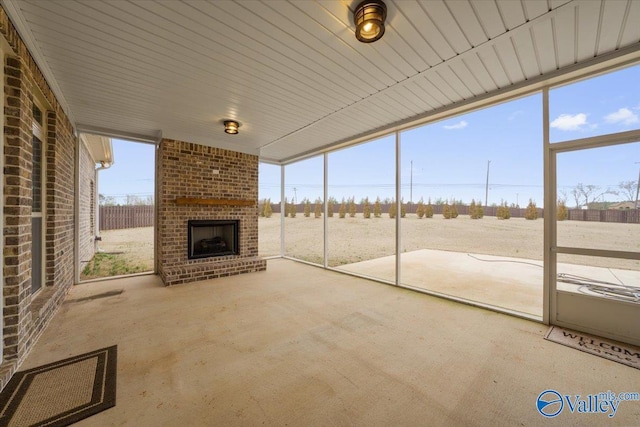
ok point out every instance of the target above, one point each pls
(293, 73)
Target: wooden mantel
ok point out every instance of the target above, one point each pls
(214, 202)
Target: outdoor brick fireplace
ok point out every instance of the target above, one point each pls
(208, 215)
(212, 238)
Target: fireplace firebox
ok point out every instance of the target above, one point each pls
(212, 238)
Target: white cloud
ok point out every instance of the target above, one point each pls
(623, 116)
(515, 114)
(460, 125)
(570, 122)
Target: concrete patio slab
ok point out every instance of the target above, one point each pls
(505, 282)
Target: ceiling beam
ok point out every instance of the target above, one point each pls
(116, 134)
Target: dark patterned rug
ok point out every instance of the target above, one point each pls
(61, 393)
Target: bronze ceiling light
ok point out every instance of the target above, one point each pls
(369, 17)
(231, 127)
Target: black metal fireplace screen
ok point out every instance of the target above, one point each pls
(212, 238)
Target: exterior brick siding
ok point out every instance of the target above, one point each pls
(24, 315)
(188, 170)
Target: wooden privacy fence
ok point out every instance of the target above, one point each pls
(628, 216)
(119, 217)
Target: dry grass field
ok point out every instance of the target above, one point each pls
(125, 251)
(358, 239)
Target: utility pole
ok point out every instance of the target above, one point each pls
(486, 191)
(637, 186)
(295, 195)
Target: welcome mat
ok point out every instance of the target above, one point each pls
(622, 353)
(61, 393)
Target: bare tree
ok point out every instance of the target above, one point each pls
(585, 194)
(577, 195)
(106, 200)
(589, 193)
(135, 200)
(628, 189)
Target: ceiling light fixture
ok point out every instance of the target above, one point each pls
(369, 17)
(231, 127)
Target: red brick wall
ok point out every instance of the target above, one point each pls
(17, 317)
(25, 315)
(189, 170)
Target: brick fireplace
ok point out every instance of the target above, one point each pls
(206, 186)
(212, 238)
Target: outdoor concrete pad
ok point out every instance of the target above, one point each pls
(298, 345)
(506, 282)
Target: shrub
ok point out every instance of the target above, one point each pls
(352, 208)
(292, 210)
(420, 209)
(268, 211)
(503, 211)
(366, 209)
(392, 209)
(446, 211)
(342, 212)
(454, 211)
(403, 210)
(475, 210)
(532, 211)
(317, 208)
(377, 210)
(428, 210)
(330, 207)
(307, 208)
(563, 213)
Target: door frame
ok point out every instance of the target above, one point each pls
(129, 138)
(616, 313)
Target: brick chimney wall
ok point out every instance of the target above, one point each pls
(188, 170)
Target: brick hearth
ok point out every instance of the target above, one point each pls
(196, 172)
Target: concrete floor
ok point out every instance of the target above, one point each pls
(498, 281)
(504, 282)
(298, 345)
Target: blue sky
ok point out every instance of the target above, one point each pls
(132, 173)
(450, 157)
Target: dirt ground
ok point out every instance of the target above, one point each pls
(358, 239)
